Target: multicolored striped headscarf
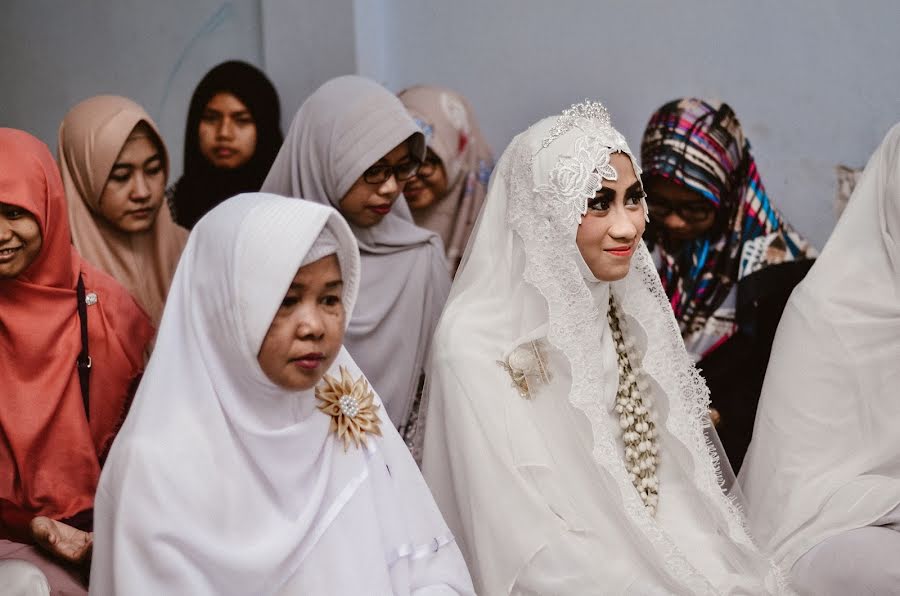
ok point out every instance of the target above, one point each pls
(701, 146)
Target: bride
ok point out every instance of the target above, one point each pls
(566, 441)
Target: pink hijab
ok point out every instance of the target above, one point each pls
(452, 132)
(90, 138)
(51, 451)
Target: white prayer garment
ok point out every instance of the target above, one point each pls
(222, 482)
(825, 455)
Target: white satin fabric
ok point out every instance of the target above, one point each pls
(342, 129)
(221, 482)
(825, 455)
(535, 489)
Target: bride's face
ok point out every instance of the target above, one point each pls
(612, 227)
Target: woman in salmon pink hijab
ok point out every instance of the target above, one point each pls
(71, 349)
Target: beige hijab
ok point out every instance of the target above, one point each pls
(452, 132)
(90, 138)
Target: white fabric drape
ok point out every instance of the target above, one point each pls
(220, 482)
(535, 488)
(20, 578)
(341, 130)
(825, 455)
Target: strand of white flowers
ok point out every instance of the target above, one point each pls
(635, 417)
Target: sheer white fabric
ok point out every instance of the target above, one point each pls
(536, 488)
(220, 482)
(825, 455)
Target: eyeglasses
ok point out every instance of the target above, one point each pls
(429, 166)
(401, 171)
(693, 212)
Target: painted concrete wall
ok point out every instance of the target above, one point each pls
(54, 54)
(814, 83)
(306, 43)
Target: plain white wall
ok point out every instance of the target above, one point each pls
(306, 43)
(813, 83)
(54, 54)
(370, 20)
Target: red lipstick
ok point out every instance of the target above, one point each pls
(620, 251)
(381, 209)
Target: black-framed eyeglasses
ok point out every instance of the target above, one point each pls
(692, 212)
(379, 174)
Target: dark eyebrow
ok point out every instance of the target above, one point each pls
(605, 191)
(636, 186)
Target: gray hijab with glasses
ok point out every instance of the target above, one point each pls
(342, 129)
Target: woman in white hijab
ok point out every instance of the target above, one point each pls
(565, 442)
(353, 146)
(822, 475)
(232, 475)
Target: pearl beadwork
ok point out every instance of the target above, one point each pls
(349, 406)
(635, 417)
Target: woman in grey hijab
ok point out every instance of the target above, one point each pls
(353, 146)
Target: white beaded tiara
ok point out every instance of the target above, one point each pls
(588, 110)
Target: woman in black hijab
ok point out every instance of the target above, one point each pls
(232, 136)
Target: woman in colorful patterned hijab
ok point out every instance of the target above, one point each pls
(715, 226)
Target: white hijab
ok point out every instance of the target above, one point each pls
(341, 130)
(221, 482)
(565, 517)
(825, 455)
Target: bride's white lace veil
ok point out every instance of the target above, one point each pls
(520, 279)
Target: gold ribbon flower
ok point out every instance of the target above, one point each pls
(351, 405)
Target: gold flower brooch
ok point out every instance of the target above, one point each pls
(525, 366)
(351, 405)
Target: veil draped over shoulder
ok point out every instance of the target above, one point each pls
(523, 450)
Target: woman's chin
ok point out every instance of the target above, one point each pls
(419, 200)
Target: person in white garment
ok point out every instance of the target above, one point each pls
(822, 475)
(565, 443)
(257, 459)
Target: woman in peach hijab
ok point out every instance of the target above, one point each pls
(71, 350)
(114, 167)
(447, 193)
